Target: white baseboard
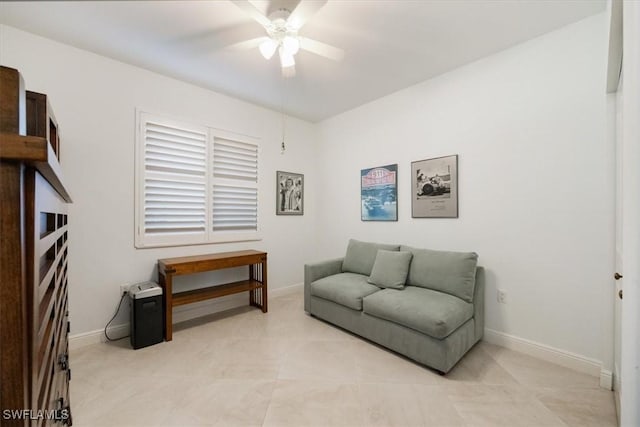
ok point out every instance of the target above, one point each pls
(180, 314)
(287, 290)
(93, 337)
(616, 378)
(551, 354)
(606, 379)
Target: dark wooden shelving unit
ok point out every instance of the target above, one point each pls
(34, 323)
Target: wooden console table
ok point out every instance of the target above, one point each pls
(256, 285)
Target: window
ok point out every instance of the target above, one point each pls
(194, 184)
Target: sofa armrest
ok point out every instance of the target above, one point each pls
(478, 302)
(316, 271)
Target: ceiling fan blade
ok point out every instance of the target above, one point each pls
(212, 40)
(247, 44)
(321, 49)
(304, 11)
(252, 11)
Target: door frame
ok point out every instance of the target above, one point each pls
(630, 141)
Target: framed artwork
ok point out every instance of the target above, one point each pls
(379, 193)
(289, 193)
(434, 188)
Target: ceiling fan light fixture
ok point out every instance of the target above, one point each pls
(286, 59)
(268, 48)
(291, 45)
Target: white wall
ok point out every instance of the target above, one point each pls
(94, 99)
(536, 180)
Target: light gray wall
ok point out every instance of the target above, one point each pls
(536, 180)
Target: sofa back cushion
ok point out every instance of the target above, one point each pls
(390, 269)
(451, 272)
(361, 256)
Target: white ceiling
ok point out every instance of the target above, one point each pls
(389, 45)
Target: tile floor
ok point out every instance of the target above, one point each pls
(285, 368)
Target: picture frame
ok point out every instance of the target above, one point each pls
(434, 187)
(379, 193)
(289, 193)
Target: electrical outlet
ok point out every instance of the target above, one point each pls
(124, 288)
(502, 296)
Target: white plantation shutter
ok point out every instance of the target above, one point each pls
(193, 184)
(235, 186)
(173, 205)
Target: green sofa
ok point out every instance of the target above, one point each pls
(427, 305)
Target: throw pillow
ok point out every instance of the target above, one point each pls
(390, 269)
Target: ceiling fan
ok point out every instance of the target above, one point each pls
(282, 34)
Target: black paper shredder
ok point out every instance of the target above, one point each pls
(147, 321)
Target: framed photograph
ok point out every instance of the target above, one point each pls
(289, 193)
(434, 188)
(379, 193)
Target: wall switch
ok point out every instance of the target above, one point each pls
(502, 296)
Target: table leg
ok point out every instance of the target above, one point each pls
(264, 286)
(252, 293)
(167, 298)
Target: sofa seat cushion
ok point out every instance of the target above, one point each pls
(433, 313)
(346, 289)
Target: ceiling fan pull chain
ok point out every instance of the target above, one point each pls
(282, 145)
